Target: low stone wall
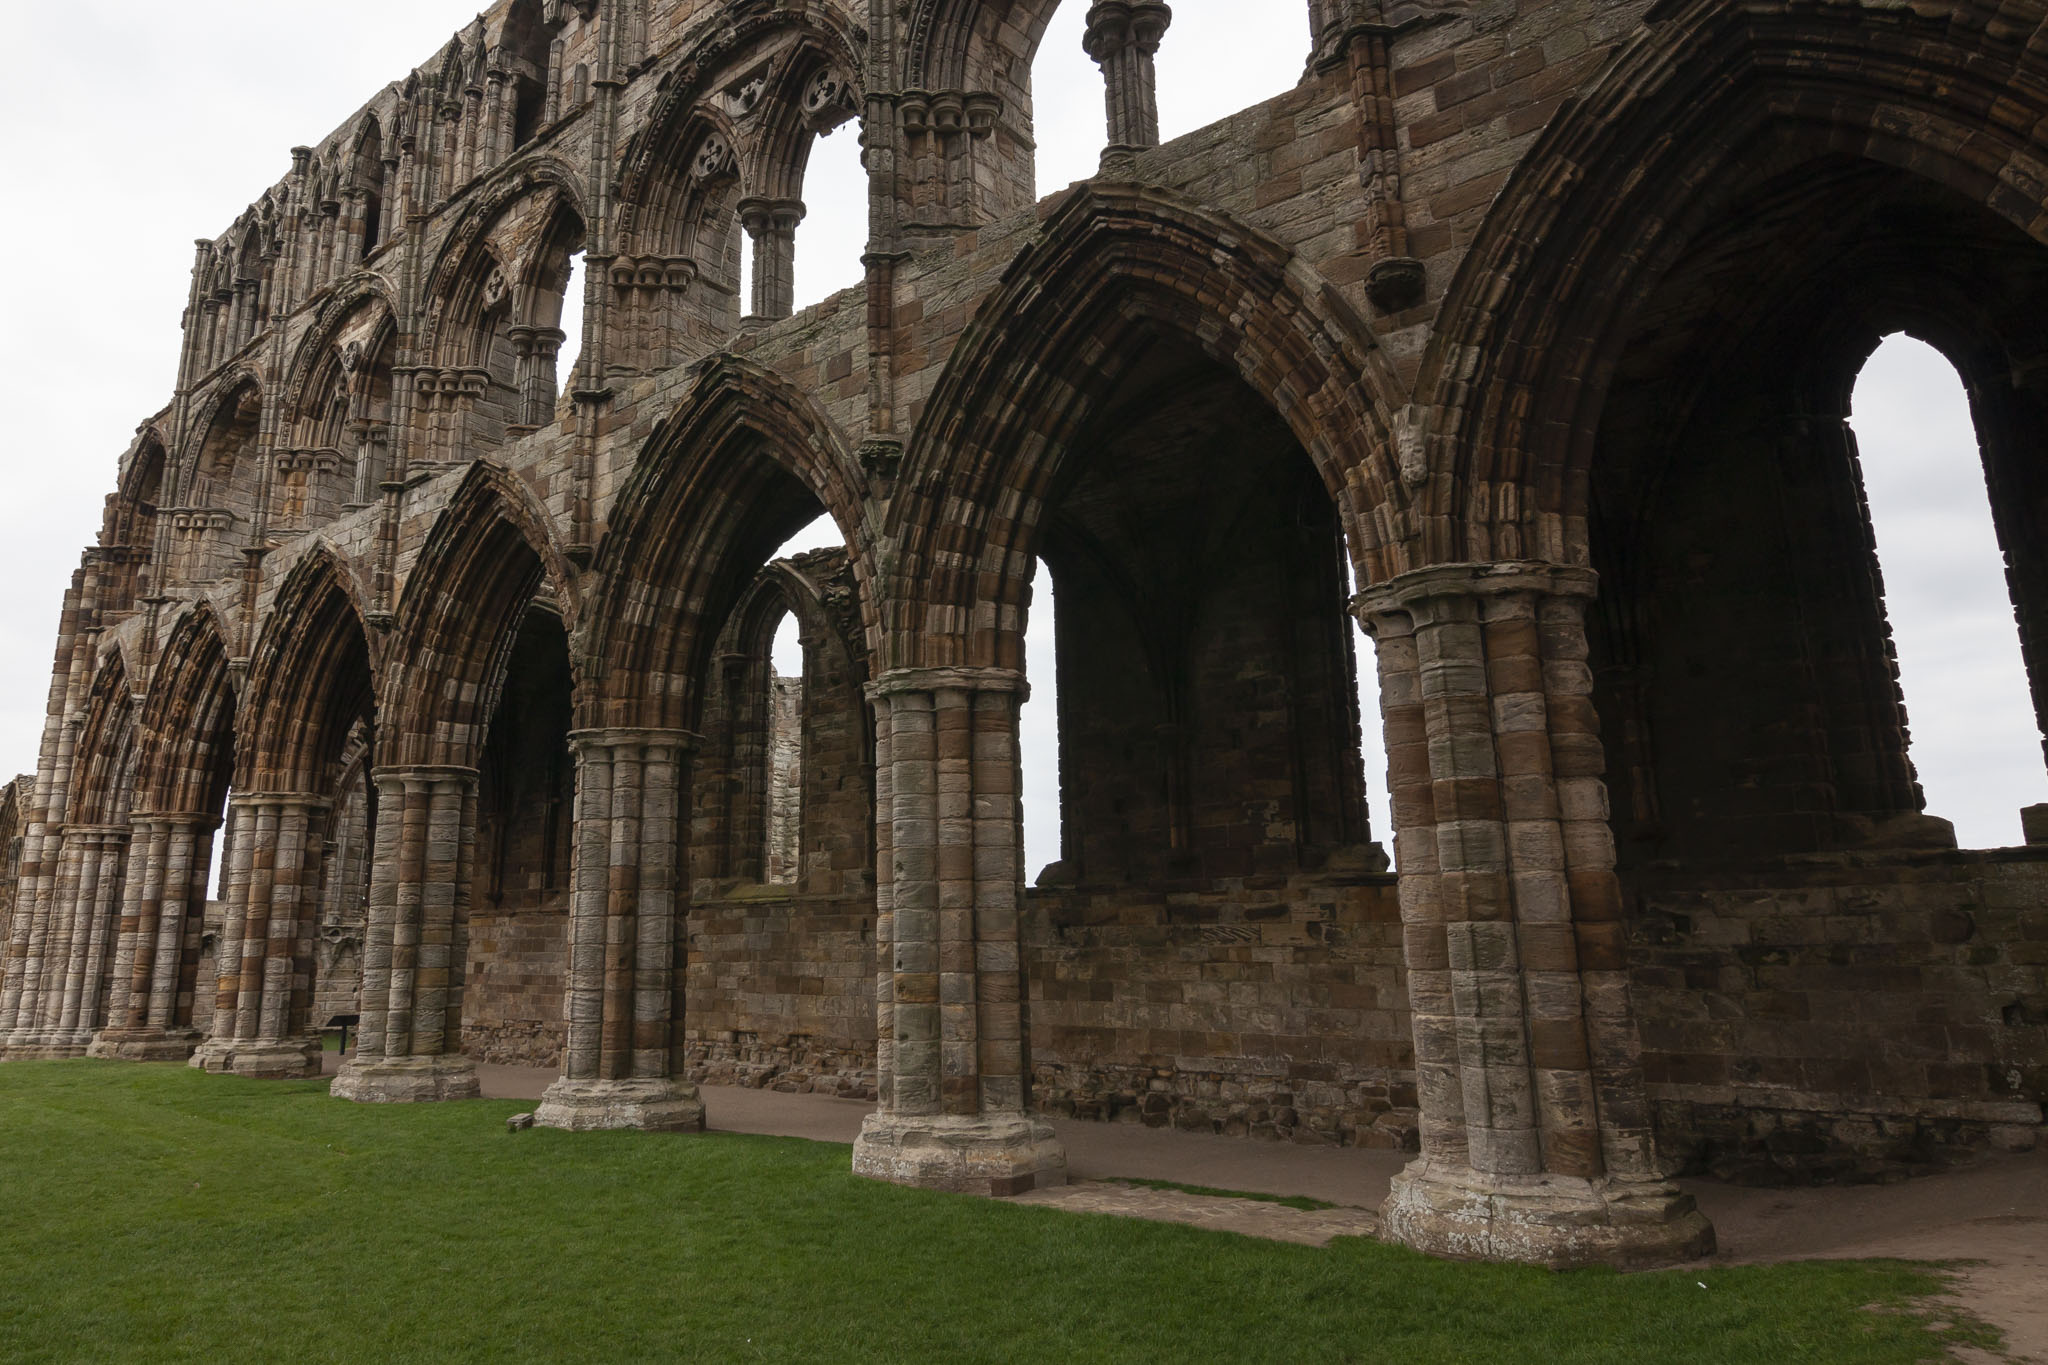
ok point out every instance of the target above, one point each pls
(1845, 1017)
(512, 996)
(1267, 1007)
(781, 991)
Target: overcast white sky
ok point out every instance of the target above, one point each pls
(141, 126)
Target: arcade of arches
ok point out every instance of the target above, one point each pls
(1538, 323)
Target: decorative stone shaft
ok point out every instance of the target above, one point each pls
(415, 946)
(156, 964)
(56, 1019)
(950, 985)
(1536, 1141)
(772, 224)
(262, 992)
(623, 1063)
(1123, 37)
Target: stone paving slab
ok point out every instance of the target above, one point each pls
(1250, 1217)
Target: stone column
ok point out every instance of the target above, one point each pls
(60, 1021)
(157, 961)
(1535, 1129)
(264, 952)
(772, 224)
(536, 349)
(1123, 37)
(953, 1053)
(623, 1063)
(416, 945)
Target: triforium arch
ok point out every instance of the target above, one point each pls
(128, 531)
(1187, 426)
(185, 765)
(966, 116)
(220, 482)
(489, 565)
(493, 331)
(724, 149)
(339, 405)
(61, 964)
(310, 687)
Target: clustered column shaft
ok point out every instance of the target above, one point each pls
(1535, 1129)
(64, 969)
(1123, 37)
(950, 993)
(156, 963)
(415, 948)
(263, 988)
(622, 1066)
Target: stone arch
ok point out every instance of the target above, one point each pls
(484, 375)
(103, 783)
(737, 793)
(309, 679)
(973, 45)
(489, 556)
(188, 721)
(741, 466)
(221, 470)
(128, 529)
(540, 185)
(1117, 262)
(727, 141)
(1521, 362)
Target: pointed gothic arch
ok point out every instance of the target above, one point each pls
(492, 552)
(1115, 264)
(744, 463)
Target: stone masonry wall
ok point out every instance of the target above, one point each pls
(1847, 1016)
(1269, 1007)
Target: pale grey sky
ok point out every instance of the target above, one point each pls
(141, 126)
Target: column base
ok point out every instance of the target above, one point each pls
(144, 1044)
(1562, 1222)
(998, 1155)
(46, 1045)
(267, 1059)
(406, 1080)
(661, 1104)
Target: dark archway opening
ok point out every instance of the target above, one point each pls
(517, 930)
(1821, 978)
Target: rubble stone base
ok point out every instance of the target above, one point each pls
(992, 1155)
(50, 1045)
(1563, 1222)
(268, 1059)
(407, 1080)
(144, 1044)
(664, 1104)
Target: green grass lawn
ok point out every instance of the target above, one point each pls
(153, 1213)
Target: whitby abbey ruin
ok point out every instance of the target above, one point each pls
(1510, 349)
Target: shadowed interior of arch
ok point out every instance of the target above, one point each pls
(1747, 675)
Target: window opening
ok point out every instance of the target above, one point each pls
(1946, 597)
(1038, 729)
(784, 852)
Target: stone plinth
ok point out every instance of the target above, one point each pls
(988, 1154)
(144, 1044)
(407, 1080)
(1563, 1222)
(48, 1045)
(660, 1104)
(268, 1059)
